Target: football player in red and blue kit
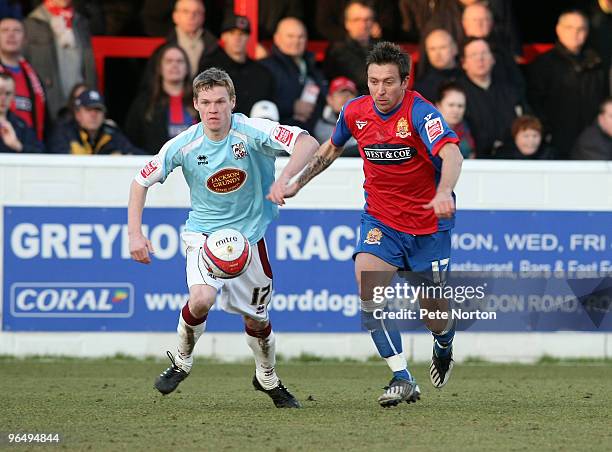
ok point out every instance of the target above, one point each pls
(411, 162)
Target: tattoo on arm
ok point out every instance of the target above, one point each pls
(314, 167)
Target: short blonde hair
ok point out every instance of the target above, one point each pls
(212, 77)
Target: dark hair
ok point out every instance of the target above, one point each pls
(388, 53)
(526, 122)
(574, 11)
(447, 87)
(158, 95)
(470, 40)
(365, 3)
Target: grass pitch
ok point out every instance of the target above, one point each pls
(110, 404)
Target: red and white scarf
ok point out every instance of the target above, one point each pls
(37, 96)
(66, 13)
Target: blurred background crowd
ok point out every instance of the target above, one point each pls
(470, 61)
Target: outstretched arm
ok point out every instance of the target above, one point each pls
(315, 161)
(443, 203)
(140, 246)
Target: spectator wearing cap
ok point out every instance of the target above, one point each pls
(252, 80)
(30, 101)
(348, 57)
(265, 109)
(11, 8)
(15, 135)
(341, 90)
(90, 133)
(59, 47)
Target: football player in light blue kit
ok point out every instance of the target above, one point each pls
(228, 162)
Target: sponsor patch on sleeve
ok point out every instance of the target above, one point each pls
(149, 168)
(282, 135)
(434, 129)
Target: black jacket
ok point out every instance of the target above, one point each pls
(148, 135)
(348, 58)
(289, 83)
(565, 91)
(253, 82)
(510, 151)
(429, 83)
(593, 144)
(24, 134)
(490, 114)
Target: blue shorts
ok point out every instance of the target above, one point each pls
(416, 253)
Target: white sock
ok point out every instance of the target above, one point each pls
(397, 362)
(264, 352)
(188, 336)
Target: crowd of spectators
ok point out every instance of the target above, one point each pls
(471, 66)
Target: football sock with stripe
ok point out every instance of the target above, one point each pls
(263, 344)
(389, 345)
(443, 343)
(189, 330)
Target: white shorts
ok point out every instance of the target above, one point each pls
(247, 294)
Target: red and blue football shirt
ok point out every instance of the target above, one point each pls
(400, 159)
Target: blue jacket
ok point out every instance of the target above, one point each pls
(69, 138)
(24, 134)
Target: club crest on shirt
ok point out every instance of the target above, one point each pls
(239, 150)
(361, 124)
(401, 128)
(374, 236)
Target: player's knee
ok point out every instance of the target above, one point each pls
(201, 300)
(255, 325)
(435, 326)
(440, 326)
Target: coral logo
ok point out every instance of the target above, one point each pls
(75, 300)
(119, 296)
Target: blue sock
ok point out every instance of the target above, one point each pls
(402, 375)
(389, 343)
(443, 343)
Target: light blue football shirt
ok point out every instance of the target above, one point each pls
(228, 179)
